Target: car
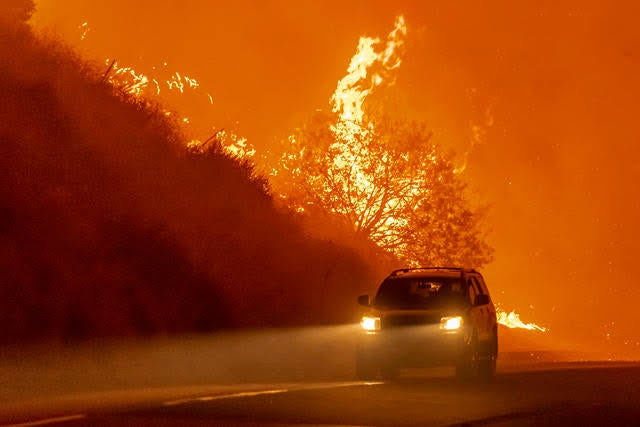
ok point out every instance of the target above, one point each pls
(430, 316)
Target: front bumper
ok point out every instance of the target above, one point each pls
(419, 346)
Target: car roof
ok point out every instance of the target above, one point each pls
(425, 274)
(431, 272)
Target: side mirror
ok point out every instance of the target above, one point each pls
(482, 299)
(363, 300)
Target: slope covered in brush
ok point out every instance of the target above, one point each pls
(108, 225)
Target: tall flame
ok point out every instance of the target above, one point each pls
(372, 66)
(367, 70)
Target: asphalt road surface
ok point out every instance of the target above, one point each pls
(587, 393)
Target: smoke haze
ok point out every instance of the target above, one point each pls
(546, 93)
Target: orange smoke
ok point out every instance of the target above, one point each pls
(546, 93)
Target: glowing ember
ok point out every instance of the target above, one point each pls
(512, 320)
(84, 30)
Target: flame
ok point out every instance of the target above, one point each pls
(127, 79)
(136, 83)
(352, 167)
(367, 70)
(512, 320)
(230, 142)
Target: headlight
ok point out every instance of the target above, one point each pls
(451, 323)
(370, 323)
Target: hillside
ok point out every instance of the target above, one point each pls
(109, 226)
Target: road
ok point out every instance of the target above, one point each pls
(587, 393)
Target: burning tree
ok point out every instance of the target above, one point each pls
(390, 183)
(383, 178)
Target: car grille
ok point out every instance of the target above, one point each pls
(409, 320)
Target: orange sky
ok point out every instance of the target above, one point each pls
(558, 81)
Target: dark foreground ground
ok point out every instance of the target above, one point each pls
(587, 393)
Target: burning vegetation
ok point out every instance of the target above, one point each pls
(380, 178)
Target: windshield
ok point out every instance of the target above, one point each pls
(421, 292)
